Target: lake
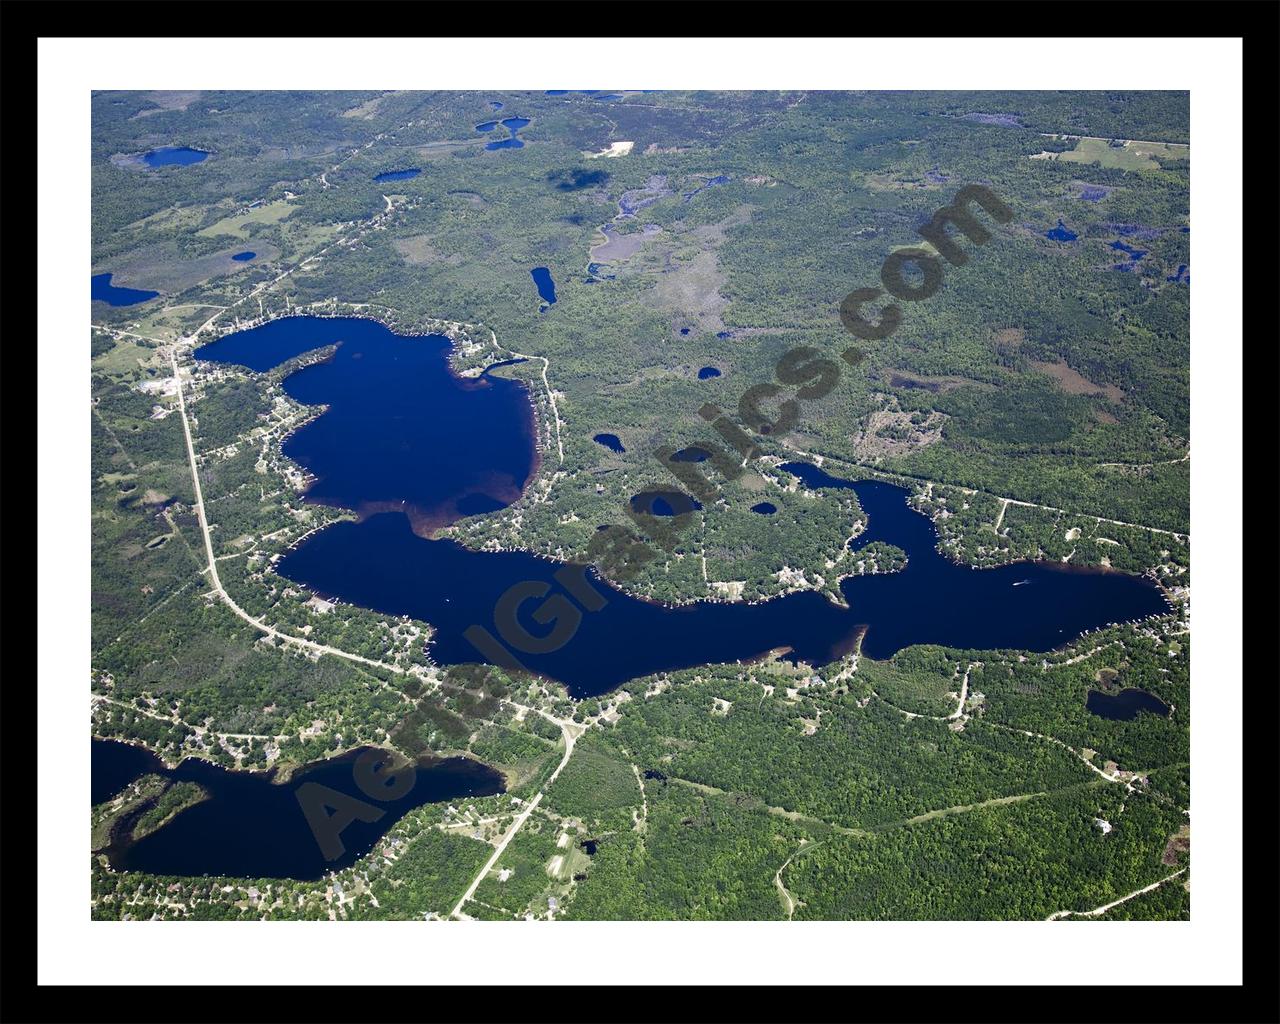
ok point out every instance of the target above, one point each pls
(1125, 705)
(102, 290)
(424, 438)
(401, 175)
(173, 156)
(244, 257)
(512, 125)
(402, 431)
(610, 441)
(253, 827)
(707, 372)
(546, 286)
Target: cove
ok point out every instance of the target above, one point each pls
(410, 436)
(254, 827)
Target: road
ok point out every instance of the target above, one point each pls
(788, 901)
(1115, 903)
(964, 692)
(1099, 138)
(571, 732)
(820, 459)
(212, 567)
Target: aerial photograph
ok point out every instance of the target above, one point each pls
(585, 505)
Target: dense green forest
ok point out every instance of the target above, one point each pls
(1036, 406)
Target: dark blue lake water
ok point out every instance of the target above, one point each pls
(610, 441)
(251, 827)
(765, 508)
(546, 286)
(707, 372)
(244, 257)
(114, 765)
(511, 124)
(1061, 233)
(173, 156)
(102, 290)
(1125, 705)
(401, 175)
(402, 432)
(381, 563)
(495, 104)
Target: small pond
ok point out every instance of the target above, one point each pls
(546, 286)
(1061, 233)
(401, 175)
(1125, 705)
(173, 156)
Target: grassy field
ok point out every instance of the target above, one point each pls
(238, 224)
(1132, 156)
